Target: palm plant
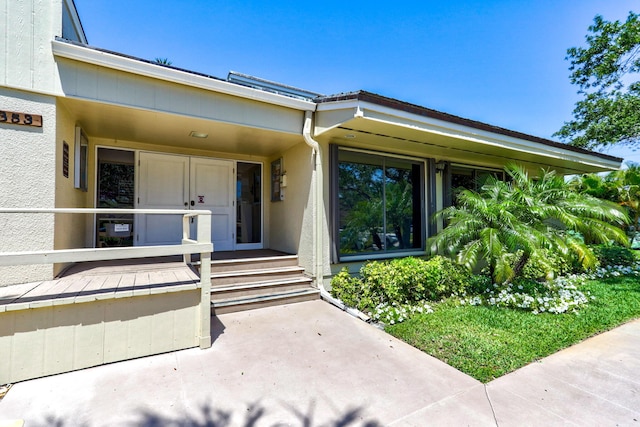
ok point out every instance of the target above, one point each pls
(523, 216)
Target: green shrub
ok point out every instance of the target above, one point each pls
(610, 255)
(402, 281)
(346, 288)
(544, 265)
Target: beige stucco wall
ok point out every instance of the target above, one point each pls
(71, 230)
(292, 219)
(26, 60)
(27, 180)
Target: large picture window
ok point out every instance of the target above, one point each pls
(379, 204)
(469, 178)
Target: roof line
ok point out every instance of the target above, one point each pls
(439, 115)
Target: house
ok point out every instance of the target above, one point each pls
(334, 180)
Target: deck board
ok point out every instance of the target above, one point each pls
(92, 281)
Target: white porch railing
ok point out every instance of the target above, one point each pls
(200, 245)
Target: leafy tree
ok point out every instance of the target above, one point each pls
(622, 187)
(606, 72)
(525, 216)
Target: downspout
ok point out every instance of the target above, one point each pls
(318, 229)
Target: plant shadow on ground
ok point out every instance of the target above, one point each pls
(210, 416)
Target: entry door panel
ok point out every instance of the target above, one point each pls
(163, 184)
(212, 188)
(183, 182)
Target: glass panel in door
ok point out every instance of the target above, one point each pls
(249, 205)
(115, 191)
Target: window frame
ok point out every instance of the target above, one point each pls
(334, 170)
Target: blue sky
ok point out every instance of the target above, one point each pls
(500, 62)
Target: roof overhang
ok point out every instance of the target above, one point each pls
(120, 62)
(368, 120)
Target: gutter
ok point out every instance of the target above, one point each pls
(317, 224)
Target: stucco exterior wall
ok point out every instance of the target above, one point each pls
(27, 180)
(292, 219)
(26, 60)
(71, 230)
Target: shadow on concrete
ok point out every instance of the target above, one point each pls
(254, 416)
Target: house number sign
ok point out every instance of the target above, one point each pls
(23, 119)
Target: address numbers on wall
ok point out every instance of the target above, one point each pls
(22, 119)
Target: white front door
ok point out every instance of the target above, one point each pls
(163, 183)
(211, 184)
(182, 182)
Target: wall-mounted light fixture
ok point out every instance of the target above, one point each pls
(441, 166)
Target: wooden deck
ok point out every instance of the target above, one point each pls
(99, 280)
(93, 281)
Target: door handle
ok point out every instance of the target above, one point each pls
(193, 203)
(186, 204)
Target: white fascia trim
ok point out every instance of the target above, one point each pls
(107, 60)
(448, 129)
(339, 105)
(487, 138)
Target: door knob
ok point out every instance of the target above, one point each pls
(193, 203)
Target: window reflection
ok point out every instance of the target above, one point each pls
(379, 203)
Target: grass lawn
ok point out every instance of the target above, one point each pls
(488, 342)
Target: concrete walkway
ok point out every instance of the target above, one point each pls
(309, 364)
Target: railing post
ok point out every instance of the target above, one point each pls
(186, 258)
(204, 236)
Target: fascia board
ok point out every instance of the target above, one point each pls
(515, 144)
(479, 136)
(104, 59)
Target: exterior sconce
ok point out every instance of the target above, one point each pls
(441, 166)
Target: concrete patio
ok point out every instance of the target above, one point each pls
(311, 364)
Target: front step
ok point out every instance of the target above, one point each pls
(250, 303)
(255, 276)
(245, 284)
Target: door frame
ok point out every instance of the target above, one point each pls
(250, 246)
(236, 246)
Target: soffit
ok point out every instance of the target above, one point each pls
(165, 129)
(363, 125)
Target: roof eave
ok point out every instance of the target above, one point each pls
(112, 60)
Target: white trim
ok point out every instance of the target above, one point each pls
(251, 246)
(130, 65)
(495, 140)
(464, 132)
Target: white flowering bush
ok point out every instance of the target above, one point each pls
(390, 314)
(616, 271)
(558, 296)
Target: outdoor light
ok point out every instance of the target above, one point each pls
(441, 166)
(196, 134)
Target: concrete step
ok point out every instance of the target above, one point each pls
(220, 266)
(255, 276)
(250, 303)
(242, 290)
